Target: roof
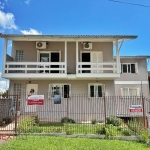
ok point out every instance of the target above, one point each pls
(139, 57)
(113, 38)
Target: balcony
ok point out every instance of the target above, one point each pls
(103, 70)
(54, 70)
(35, 70)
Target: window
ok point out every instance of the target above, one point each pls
(19, 56)
(95, 90)
(92, 57)
(17, 91)
(61, 89)
(128, 68)
(130, 92)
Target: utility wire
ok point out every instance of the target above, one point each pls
(129, 3)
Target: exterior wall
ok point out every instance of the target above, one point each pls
(105, 47)
(71, 57)
(144, 88)
(141, 76)
(30, 51)
(77, 87)
(4, 108)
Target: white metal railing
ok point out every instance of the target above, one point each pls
(34, 67)
(95, 67)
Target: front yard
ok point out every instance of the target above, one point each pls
(61, 143)
(114, 127)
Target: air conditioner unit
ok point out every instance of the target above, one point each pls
(41, 45)
(87, 46)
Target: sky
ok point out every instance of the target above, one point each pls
(78, 17)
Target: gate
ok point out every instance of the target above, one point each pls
(9, 111)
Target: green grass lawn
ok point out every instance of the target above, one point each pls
(62, 143)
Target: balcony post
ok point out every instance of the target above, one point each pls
(117, 57)
(4, 56)
(77, 56)
(65, 57)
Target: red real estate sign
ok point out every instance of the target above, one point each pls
(136, 108)
(36, 100)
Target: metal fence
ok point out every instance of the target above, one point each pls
(77, 114)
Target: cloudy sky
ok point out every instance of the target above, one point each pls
(78, 17)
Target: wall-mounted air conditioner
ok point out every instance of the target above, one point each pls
(41, 45)
(87, 46)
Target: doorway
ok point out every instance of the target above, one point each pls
(55, 57)
(34, 89)
(86, 58)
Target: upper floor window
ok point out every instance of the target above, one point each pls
(129, 68)
(60, 89)
(19, 56)
(130, 91)
(95, 90)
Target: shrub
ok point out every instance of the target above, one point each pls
(135, 126)
(7, 120)
(126, 132)
(144, 137)
(101, 130)
(114, 120)
(28, 124)
(93, 121)
(65, 120)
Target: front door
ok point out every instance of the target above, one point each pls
(31, 89)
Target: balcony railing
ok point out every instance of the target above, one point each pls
(96, 68)
(35, 67)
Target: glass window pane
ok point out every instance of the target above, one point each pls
(99, 91)
(91, 91)
(124, 68)
(132, 68)
(133, 92)
(125, 92)
(66, 91)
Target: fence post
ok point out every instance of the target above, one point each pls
(67, 117)
(105, 109)
(143, 105)
(16, 115)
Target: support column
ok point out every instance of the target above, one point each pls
(117, 57)
(77, 56)
(65, 57)
(4, 56)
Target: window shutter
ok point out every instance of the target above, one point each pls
(69, 90)
(136, 67)
(138, 92)
(121, 91)
(50, 90)
(100, 60)
(94, 60)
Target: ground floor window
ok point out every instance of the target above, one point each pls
(60, 89)
(17, 91)
(96, 90)
(127, 91)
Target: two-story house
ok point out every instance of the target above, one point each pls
(78, 67)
